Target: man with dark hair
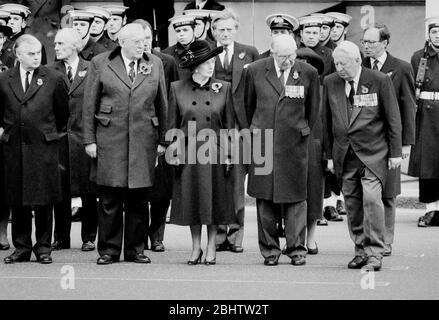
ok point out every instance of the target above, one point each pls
(375, 41)
(33, 113)
(340, 28)
(97, 28)
(279, 23)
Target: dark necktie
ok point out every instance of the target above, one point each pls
(69, 74)
(375, 65)
(26, 82)
(282, 78)
(226, 59)
(351, 99)
(132, 73)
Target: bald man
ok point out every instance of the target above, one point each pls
(282, 95)
(363, 143)
(124, 118)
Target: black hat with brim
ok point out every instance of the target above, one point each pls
(7, 31)
(312, 58)
(198, 52)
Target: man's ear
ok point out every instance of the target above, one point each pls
(23, 24)
(345, 30)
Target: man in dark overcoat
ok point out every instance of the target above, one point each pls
(375, 41)
(282, 96)
(230, 66)
(33, 112)
(124, 116)
(76, 162)
(362, 143)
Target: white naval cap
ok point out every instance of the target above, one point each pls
(432, 22)
(81, 15)
(182, 20)
(310, 21)
(341, 18)
(282, 21)
(17, 9)
(201, 14)
(326, 19)
(115, 10)
(98, 12)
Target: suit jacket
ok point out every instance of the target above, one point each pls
(243, 56)
(373, 132)
(210, 5)
(79, 163)
(126, 120)
(169, 67)
(401, 73)
(32, 122)
(291, 120)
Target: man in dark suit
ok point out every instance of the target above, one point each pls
(282, 98)
(375, 41)
(279, 23)
(76, 162)
(161, 193)
(230, 66)
(124, 114)
(362, 143)
(81, 22)
(33, 113)
(160, 10)
(97, 28)
(204, 4)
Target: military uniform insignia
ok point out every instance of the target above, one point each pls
(241, 55)
(366, 100)
(364, 90)
(297, 92)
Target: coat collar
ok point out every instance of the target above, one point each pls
(35, 85)
(272, 78)
(117, 66)
(80, 75)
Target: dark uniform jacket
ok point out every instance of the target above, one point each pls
(424, 157)
(108, 44)
(33, 122)
(177, 51)
(326, 54)
(126, 120)
(291, 119)
(374, 130)
(91, 50)
(401, 74)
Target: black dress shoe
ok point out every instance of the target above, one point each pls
(17, 257)
(357, 263)
(88, 246)
(331, 214)
(373, 264)
(44, 258)
(271, 261)
(340, 207)
(60, 245)
(223, 246)
(157, 246)
(138, 258)
(105, 259)
(4, 246)
(298, 260)
(236, 249)
(426, 219)
(314, 250)
(196, 261)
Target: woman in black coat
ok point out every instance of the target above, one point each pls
(202, 193)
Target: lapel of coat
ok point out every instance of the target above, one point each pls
(79, 76)
(15, 83)
(140, 77)
(342, 106)
(388, 66)
(37, 82)
(363, 83)
(238, 63)
(271, 76)
(117, 66)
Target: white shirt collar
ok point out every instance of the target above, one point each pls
(356, 81)
(23, 76)
(230, 48)
(74, 66)
(278, 71)
(127, 62)
(381, 60)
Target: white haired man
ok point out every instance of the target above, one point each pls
(124, 117)
(363, 142)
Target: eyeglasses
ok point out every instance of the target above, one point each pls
(369, 42)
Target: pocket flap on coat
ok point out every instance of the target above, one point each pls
(4, 137)
(105, 109)
(155, 121)
(103, 120)
(52, 136)
(306, 131)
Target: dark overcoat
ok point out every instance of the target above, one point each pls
(177, 51)
(91, 50)
(33, 122)
(202, 194)
(373, 132)
(126, 120)
(108, 44)
(79, 163)
(291, 120)
(403, 80)
(424, 157)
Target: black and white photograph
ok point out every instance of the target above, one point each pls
(219, 158)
